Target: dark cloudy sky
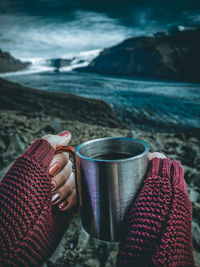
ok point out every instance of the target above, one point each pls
(164, 11)
(46, 28)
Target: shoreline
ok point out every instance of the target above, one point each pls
(152, 114)
(21, 98)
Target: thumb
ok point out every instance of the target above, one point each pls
(156, 155)
(61, 139)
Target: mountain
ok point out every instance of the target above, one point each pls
(8, 63)
(175, 56)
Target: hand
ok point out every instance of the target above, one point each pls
(157, 228)
(60, 171)
(145, 217)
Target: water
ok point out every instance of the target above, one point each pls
(158, 105)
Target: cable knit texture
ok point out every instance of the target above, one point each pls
(159, 222)
(30, 228)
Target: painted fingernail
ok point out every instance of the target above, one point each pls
(53, 185)
(54, 169)
(64, 133)
(63, 204)
(55, 197)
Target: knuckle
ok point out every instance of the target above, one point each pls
(61, 159)
(64, 158)
(47, 136)
(68, 188)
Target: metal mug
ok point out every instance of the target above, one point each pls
(108, 174)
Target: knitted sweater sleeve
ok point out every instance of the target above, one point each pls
(159, 222)
(30, 228)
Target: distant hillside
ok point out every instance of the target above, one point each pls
(65, 105)
(8, 63)
(175, 56)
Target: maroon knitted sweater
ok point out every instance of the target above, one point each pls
(158, 224)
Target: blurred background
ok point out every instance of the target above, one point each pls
(37, 29)
(55, 38)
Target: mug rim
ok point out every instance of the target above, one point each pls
(112, 160)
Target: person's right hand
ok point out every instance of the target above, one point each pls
(157, 228)
(139, 241)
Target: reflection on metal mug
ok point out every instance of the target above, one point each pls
(108, 173)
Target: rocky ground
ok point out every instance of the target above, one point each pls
(19, 127)
(64, 105)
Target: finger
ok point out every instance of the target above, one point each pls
(156, 155)
(58, 140)
(64, 191)
(69, 202)
(58, 162)
(59, 179)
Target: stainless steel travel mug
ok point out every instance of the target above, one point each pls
(109, 172)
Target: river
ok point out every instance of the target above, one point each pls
(148, 104)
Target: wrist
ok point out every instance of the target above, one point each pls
(41, 151)
(169, 169)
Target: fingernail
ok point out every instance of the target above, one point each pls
(63, 204)
(53, 169)
(53, 185)
(64, 133)
(55, 198)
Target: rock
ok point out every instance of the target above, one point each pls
(92, 263)
(190, 173)
(194, 195)
(2, 145)
(83, 239)
(196, 211)
(16, 143)
(132, 134)
(152, 57)
(196, 235)
(196, 180)
(112, 259)
(53, 126)
(197, 258)
(4, 171)
(58, 253)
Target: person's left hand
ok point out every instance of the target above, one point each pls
(60, 170)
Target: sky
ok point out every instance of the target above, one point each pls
(33, 29)
(128, 12)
